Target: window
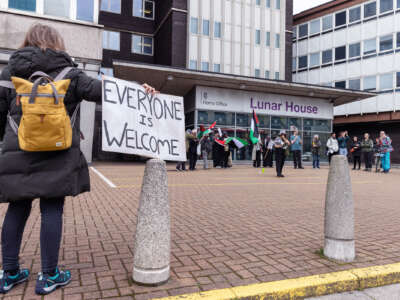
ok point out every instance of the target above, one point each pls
(354, 84)
(386, 5)
(217, 68)
(277, 40)
(258, 37)
(340, 19)
(398, 39)
(59, 8)
(111, 40)
(268, 39)
(267, 74)
(257, 72)
(303, 62)
(142, 44)
(193, 64)
(277, 75)
(84, 10)
(258, 2)
(268, 3)
(327, 23)
(278, 4)
(369, 46)
(294, 29)
(386, 82)
(217, 29)
(314, 59)
(113, 6)
(205, 66)
(340, 53)
(206, 27)
(354, 14)
(398, 79)
(303, 30)
(143, 9)
(340, 84)
(194, 25)
(327, 56)
(354, 50)
(315, 26)
(294, 63)
(370, 83)
(370, 10)
(398, 4)
(386, 43)
(29, 5)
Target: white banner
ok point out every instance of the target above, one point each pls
(142, 124)
(218, 99)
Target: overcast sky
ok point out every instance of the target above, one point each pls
(300, 5)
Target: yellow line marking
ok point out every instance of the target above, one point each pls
(245, 183)
(310, 286)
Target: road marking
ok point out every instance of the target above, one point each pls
(248, 183)
(105, 179)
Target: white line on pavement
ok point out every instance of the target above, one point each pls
(105, 179)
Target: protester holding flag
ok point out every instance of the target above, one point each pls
(268, 146)
(256, 155)
(281, 144)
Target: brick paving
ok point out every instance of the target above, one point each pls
(229, 228)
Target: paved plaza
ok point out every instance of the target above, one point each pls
(229, 228)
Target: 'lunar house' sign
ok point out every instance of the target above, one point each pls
(135, 122)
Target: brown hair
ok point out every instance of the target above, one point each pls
(43, 37)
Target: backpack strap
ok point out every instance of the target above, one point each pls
(74, 115)
(14, 126)
(7, 84)
(63, 73)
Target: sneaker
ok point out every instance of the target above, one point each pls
(46, 284)
(7, 282)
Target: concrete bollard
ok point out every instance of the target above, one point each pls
(339, 212)
(153, 235)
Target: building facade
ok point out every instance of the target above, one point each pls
(76, 21)
(242, 37)
(353, 44)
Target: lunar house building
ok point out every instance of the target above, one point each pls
(354, 44)
(225, 57)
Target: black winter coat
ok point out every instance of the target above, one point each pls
(29, 175)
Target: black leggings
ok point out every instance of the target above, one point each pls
(357, 160)
(50, 232)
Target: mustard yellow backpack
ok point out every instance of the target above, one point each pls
(45, 124)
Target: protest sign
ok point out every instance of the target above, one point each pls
(135, 122)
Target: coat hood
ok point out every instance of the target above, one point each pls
(25, 61)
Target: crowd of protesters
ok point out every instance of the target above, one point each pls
(363, 150)
(278, 148)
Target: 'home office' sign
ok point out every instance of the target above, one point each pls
(135, 122)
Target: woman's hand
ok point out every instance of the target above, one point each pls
(149, 89)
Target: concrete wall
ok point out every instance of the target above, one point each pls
(82, 40)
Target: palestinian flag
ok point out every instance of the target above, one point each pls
(203, 131)
(220, 142)
(254, 134)
(238, 142)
